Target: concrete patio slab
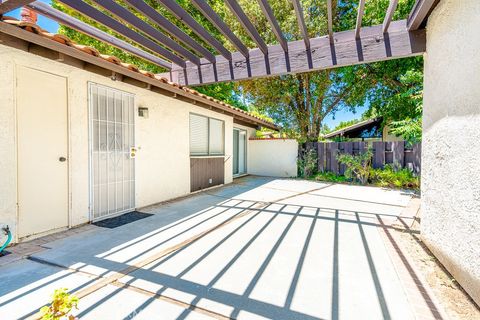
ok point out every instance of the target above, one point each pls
(259, 248)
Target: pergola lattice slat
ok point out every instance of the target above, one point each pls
(347, 51)
(65, 19)
(221, 26)
(9, 5)
(267, 11)
(358, 26)
(419, 13)
(101, 18)
(180, 13)
(131, 19)
(330, 20)
(392, 6)
(301, 22)
(391, 39)
(247, 24)
(158, 19)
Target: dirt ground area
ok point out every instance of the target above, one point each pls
(455, 301)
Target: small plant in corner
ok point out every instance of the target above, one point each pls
(61, 306)
(357, 166)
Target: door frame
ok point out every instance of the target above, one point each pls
(90, 152)
(246, 150)
(17, 238)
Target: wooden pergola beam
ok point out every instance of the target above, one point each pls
(360, 11)
(170, 28)
(221, 26)
(63, 18)
(247, 25)
(388, 17)
(89, 11)
(330, 20)
(347, 50)
(127, 16)
(301, 22)
(9, 5)
(267, 11)
(173, 7)
(419, 13)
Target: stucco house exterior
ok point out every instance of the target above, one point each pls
(81, 143)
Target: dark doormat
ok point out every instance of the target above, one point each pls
(4, 253)
(122, 220)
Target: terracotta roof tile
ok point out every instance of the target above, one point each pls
(31, 27)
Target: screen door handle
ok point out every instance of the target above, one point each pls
(62, 159)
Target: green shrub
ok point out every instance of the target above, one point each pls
(307, 164)
(60, 307)
(394, 178)
(358, 166)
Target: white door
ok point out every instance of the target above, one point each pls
(42, 151)
(239, 152)
(112, 183)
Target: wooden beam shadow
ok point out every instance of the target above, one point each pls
(333, 53)
(358, 43)
(388, 46)
(287, 61)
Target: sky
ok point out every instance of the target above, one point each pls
(344, 115)
(332, 121)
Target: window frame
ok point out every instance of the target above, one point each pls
(208, 154)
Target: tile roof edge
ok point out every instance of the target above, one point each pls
(62, 39)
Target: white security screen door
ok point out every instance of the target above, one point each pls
(112, 167)
(239, 152)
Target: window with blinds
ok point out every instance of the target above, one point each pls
(207, 136)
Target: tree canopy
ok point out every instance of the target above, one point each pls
(300, 103)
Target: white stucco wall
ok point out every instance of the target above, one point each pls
(451, 140)
(273, 157)
(162, 164)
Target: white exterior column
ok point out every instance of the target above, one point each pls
(451, 141)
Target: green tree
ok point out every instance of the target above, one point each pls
(301, 102)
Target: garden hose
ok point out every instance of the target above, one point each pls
(9, 238)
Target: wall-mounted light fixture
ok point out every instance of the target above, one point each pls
(143, 112)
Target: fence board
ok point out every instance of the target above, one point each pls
(417, 159)
(383, 153)
(398, 149)
(321, 157)
(333, 157)
(379, 154)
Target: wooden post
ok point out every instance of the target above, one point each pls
(379, 154)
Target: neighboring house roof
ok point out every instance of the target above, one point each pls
(356, 128)
(171, 86)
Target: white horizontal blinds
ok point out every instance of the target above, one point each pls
(216, 137)
(198, 135)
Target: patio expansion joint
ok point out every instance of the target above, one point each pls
(134, 288)
(114, 277)
(117, 275)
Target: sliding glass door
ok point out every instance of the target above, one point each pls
(239, 152)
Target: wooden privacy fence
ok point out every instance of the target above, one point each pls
(397, 153)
